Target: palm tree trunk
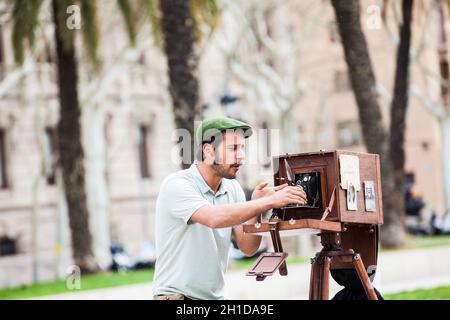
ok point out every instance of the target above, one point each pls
(399, 107)
(179, 41)
(375, 136)
(71, 154)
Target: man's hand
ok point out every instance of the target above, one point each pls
(262, 190)
(284, 195)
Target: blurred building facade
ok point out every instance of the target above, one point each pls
(305, 97)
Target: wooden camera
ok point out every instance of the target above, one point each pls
(344, 206)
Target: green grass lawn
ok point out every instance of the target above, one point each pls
(104, 280)
(422, 242)
(108, 280)
(439, 293)
(428, 241)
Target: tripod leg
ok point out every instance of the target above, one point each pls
(325, 277)
(283, 268)
(312, 280)
(316, 282)
(277, 246)
(359, 266)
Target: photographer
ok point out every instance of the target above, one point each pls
(198, 210)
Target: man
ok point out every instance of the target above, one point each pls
(198, 210)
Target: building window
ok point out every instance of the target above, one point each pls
(3, 167)
(144, 157)
(49, 155)
(8, 245)
(303, 142)
(2, 54)
(341, 81)
(2, 48)
(49, 57)
(265, 146)
(142, 59)
(348, 134)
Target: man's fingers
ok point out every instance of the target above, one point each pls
(296, 200)
(301, 189)
(298, 191)
(281, 186)
(303, 194)
(262, 185)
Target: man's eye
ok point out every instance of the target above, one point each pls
(235, 148)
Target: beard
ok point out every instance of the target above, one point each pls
(227, 171)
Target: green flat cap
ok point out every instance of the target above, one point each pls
(211, 126)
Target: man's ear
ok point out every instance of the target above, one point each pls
(209, 153)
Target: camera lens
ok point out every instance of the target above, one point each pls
(301, 184)
(310, 182)
(304, 185)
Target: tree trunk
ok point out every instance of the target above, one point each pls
(71, 154)
(179, 41)
(445, 120)
(399, 107)
(375, 136)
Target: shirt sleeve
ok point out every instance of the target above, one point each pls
(182, 198)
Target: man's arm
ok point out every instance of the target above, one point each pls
(247, 243)
(228, 215)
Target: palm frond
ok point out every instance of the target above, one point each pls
(152, 13)
(90, 30)
(25, 20)
(129, 17)
(206, 13)
(448, 5)
(384, 11)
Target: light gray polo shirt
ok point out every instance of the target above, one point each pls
(191, 259)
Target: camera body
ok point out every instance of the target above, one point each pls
(353, 177)
(344, 207)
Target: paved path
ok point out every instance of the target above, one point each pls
(397, 271)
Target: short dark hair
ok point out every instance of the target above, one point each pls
(214, 140)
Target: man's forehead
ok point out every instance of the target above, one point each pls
(234, 137)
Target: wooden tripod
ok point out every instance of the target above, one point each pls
(334, 255)
(321, 265)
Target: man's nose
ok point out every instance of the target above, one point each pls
(240, 155)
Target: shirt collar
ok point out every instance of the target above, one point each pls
(204, 187)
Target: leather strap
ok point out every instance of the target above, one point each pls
(330, 205)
